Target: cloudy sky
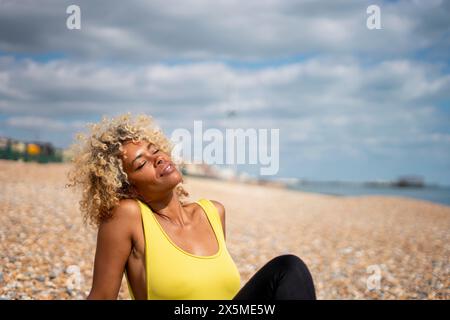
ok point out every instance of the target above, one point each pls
(351, 103)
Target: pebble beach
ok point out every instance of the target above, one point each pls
(366, 247)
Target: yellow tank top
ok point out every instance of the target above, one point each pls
(174, 274)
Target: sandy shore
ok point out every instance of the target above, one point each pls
(344, 241)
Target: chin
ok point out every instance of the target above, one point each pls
(173, 179)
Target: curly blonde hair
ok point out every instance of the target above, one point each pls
(98, 167)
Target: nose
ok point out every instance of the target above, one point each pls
(159, 160)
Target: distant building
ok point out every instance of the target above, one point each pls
(13, 149)
(409, 181)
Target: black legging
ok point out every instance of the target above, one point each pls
(285, 277)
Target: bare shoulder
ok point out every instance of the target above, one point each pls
(124, 216)
(126, 209)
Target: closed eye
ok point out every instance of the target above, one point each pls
(138, 168)
(154, 152)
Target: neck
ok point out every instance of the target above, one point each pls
(169, 207)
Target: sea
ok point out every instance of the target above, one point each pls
(437, 194)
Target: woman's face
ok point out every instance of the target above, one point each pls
(150, 170)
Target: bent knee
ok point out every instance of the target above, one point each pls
(289, 261)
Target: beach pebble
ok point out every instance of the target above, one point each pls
(355, 247)
(54, 273)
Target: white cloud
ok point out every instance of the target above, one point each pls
(252, 30)
(42, 123)
(334, 97)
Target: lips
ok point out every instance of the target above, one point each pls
(167, 169)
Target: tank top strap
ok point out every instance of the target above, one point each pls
(146, 214)
(213, 215)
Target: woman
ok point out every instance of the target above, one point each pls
(167, 248)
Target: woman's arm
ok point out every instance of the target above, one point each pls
(114, 244)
